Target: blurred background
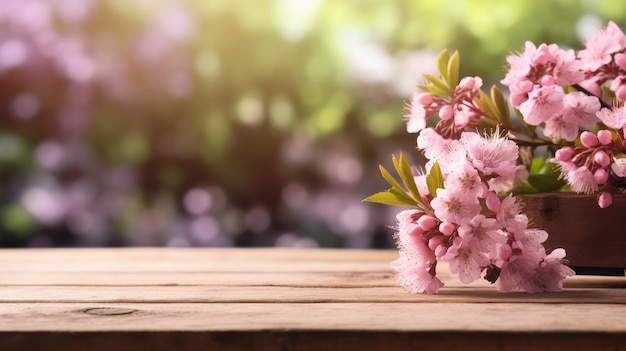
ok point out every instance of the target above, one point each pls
(231, 123)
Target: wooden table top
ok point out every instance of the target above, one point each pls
(282, 299)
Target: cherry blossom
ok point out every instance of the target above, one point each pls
(416, 114)
(468, 215)
(415, 277)
(600, 47)
(614, 118)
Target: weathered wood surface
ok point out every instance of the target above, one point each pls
(592, 236)
(282, 299)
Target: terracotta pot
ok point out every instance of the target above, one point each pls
(593, 237)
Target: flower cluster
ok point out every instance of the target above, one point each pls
(569, 119)
(561, 97)
(468, 225)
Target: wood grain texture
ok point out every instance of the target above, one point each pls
(592, 236)
(282, 299)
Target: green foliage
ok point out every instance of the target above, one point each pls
(448, 66)
(434, 179)
(543, 177)
(403, 192)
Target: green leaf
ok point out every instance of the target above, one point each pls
(546, 182)
(434, 80)
(434, 179)
(401, 194)
(389, 178)
(388, 198)
(501, 105)
(486, 104)
(524, 188)
(453, 71)
(442, 63)
(404, 170)
(537, 165)
(433, 89)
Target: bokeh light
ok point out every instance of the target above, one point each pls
(229, 123)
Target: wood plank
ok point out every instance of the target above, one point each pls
(282, 299)
(320, 279)
(282, 294)
(145, 254)
(329, 279)
(407, 317)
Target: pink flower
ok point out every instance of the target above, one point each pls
(491, 156)
(416, 114)
(517, 273)
(581, 180)
(542, 104)
(482, 234)
(444, 151)
(580, 109)
(415, 277)
(454, 207)
(509, 214)
(464, 178)
(530, 240)
(520, 65)
(566, 70)
(559, 128)
(409, 236)
(600, 47)
(551, 272)
(619, 167)
(465, 262)
(435, 147)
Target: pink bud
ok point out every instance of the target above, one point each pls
(447, 228)
(427, 222)
(564, 154)
(526, 86)
(441, 251)
(601, 158)
(435, 241)
(424, 99)
(605, 137)
(547, 80)
(446, 112)
(588, 139)
(600, 176)
(467, 83)
(605, 199)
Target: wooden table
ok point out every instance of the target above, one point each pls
(282, 299)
